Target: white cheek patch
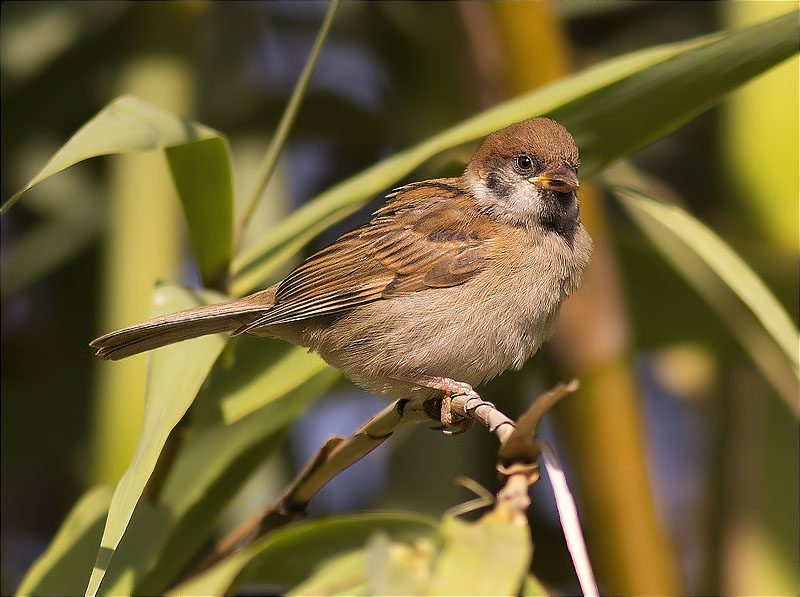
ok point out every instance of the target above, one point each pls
(520, 203)
(525, 204)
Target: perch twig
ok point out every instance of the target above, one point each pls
(336, 455)
(519, 452)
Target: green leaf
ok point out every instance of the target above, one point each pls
(273, 369)
(396, 568)
(251, 266)
(344, 575)
(288, 116)
(288, 555)
(612, 109)
(64, 566)
(148, 528)
(614, 122)
(381, 567)
(201, 171)
(175, 375)
(199, 158)
(214, 461)
(488, 557)
(672, 230)
(533, 588)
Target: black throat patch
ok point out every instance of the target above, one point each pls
(561, 215)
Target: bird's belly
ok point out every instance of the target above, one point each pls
(466, 333)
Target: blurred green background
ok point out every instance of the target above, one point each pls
(81, 253)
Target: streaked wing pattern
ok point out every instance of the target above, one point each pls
(419, 240)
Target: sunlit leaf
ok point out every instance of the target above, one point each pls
(201, 171)
(533, 588)
(667, 224)
(488, 557)
(612, 109)
(64, 567)
(344, 574)
(214, 461)
(397, 568)
(274, 559)
(148, 528)
(272, 369)
(175, 375)
(199, 159)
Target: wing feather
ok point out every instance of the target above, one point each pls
(429, 235)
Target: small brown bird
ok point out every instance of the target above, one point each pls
(452, 281)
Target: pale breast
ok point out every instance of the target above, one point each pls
(471, 332)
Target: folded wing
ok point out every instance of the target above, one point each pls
(427, 236)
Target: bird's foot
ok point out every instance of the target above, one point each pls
(449, 388)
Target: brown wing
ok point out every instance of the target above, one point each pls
(429, 235)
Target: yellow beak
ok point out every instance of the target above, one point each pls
(562, 179)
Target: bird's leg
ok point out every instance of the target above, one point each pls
(449, 388)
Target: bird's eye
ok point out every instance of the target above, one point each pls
(523, 162)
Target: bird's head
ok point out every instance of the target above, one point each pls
(527, 174)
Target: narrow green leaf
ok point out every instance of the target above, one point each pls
(147, 530)
(656, 219)
(64, 566)
(614, 122)
(212, 464)
(488, 557)
(201, 171)
(344, 575)
(273, 368)
(250, 267)
(287, 118)
(274, 559)
(199, 158)
(612, 109)
(175, 375)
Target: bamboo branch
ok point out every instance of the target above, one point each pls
(519, 452)
(339, 453)
(336, 455)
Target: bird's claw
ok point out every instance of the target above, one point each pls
(463, 426)
(448, 417)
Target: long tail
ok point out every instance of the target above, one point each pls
(183, 325)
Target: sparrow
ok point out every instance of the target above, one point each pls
(452, 281)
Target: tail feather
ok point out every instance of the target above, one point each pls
(183, 325)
